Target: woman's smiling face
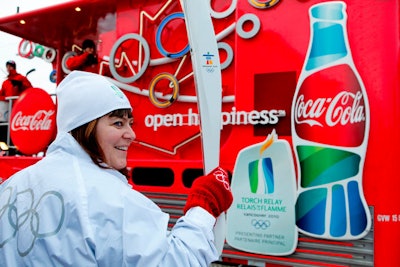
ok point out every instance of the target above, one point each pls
(114, 135)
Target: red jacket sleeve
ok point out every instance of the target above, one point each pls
(25, 82)
(7, 90)
(76, 62)
(3, 91)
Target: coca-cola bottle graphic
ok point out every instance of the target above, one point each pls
(330, 126)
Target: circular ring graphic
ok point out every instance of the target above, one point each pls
(25, 48)
(67, 55)
(229, 54)
(146, 60)
(53, 76)
(263, 4)
(175, 92)
(242, 20)
(225, 13)
(38, 51)
(158, 37)
(49, 54)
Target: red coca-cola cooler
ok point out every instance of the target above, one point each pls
(33, 121)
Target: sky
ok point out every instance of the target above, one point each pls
(9, 46)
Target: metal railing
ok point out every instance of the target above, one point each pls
(10, 100)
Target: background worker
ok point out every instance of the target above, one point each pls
(86, 60)
(15, 83)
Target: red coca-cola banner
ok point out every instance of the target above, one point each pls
(33, 121)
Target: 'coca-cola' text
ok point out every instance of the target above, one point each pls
(40, 121)
(342, 109)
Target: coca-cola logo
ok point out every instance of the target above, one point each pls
(342, 109)
(332, 108)
(39, 121)
(33, 125)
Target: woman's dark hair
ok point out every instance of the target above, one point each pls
(85, 135)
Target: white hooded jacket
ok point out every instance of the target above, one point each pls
(67, 211)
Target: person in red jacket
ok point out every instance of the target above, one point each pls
(15, 84)
(87, 60)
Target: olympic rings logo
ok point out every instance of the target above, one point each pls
(24, 219)
(222, 177)
(28, 49)
(260, 224)
(209, 69)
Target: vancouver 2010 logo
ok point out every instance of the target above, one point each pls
(209, 65)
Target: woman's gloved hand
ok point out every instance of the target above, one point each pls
(211, 192)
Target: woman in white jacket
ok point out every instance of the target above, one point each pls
(75, 208)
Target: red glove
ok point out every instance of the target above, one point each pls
(211, 192)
